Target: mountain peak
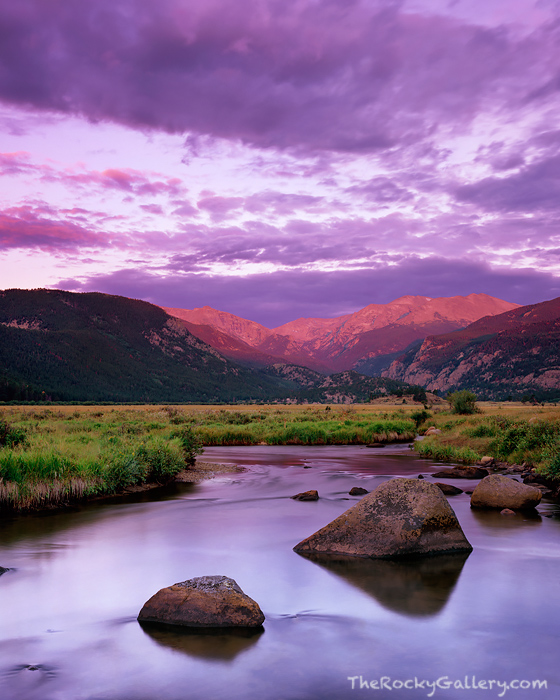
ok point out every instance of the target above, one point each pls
(342, 342)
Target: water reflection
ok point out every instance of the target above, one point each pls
(412, 586)
(493, 518)
(211, 644)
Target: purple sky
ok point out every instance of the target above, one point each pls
(281, 159)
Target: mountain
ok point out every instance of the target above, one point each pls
(62, 346)
(366, 340)
(97, 347)
(517, 352)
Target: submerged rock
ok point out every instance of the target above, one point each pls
(447, 489)
(357, 491)
(497, 491)
(206, 601)
(400, 517)
(461, 473)
(306, 496)
(507, 511)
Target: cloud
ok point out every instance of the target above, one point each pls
(36, 227)
(351, 77)
(536, 187)
(276, 298)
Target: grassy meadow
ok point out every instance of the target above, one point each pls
(51, 455)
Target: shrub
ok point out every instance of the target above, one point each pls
(191, 444)
(10, 436)
(159, 460)
(420, 417)
(553, 470)
(463, 402)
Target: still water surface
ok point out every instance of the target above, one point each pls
(68, 606)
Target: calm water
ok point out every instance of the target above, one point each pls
(68, 608)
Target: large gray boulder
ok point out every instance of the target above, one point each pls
(206, 601)
(400, 517)
(497, 491)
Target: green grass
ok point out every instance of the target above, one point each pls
(58, 455)
(509, 433)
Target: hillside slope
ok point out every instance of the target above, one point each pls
(516, 352)
(97, 347)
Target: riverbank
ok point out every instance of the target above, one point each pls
(54, 456)
(513, 434)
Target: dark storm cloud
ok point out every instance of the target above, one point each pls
(353, 77)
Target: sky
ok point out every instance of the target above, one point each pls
(279, 159)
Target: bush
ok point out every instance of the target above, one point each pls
(159, 460)
(463, 402)
(10, 436)
(553, 470)
(191, 444)
(420, 417)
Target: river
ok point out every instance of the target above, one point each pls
(77, 580)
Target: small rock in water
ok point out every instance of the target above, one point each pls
(486, 461)
(3, 570)
(306, 496)
(507, 511)
(420, 476)
(206, 601)
(357, 491)
(447, 489)
(400, 517)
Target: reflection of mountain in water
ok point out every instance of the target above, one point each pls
(214, 644)
(413, 586)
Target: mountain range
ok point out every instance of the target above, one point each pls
(366, 341)
(62, 346)
(59, 345)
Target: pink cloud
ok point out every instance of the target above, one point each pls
(35, 227)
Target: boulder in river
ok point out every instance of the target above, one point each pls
(447, 489)
(357, 491)
(400, 517)
(206, 601)
(306, 496)
(497, 491)
(461, 473)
